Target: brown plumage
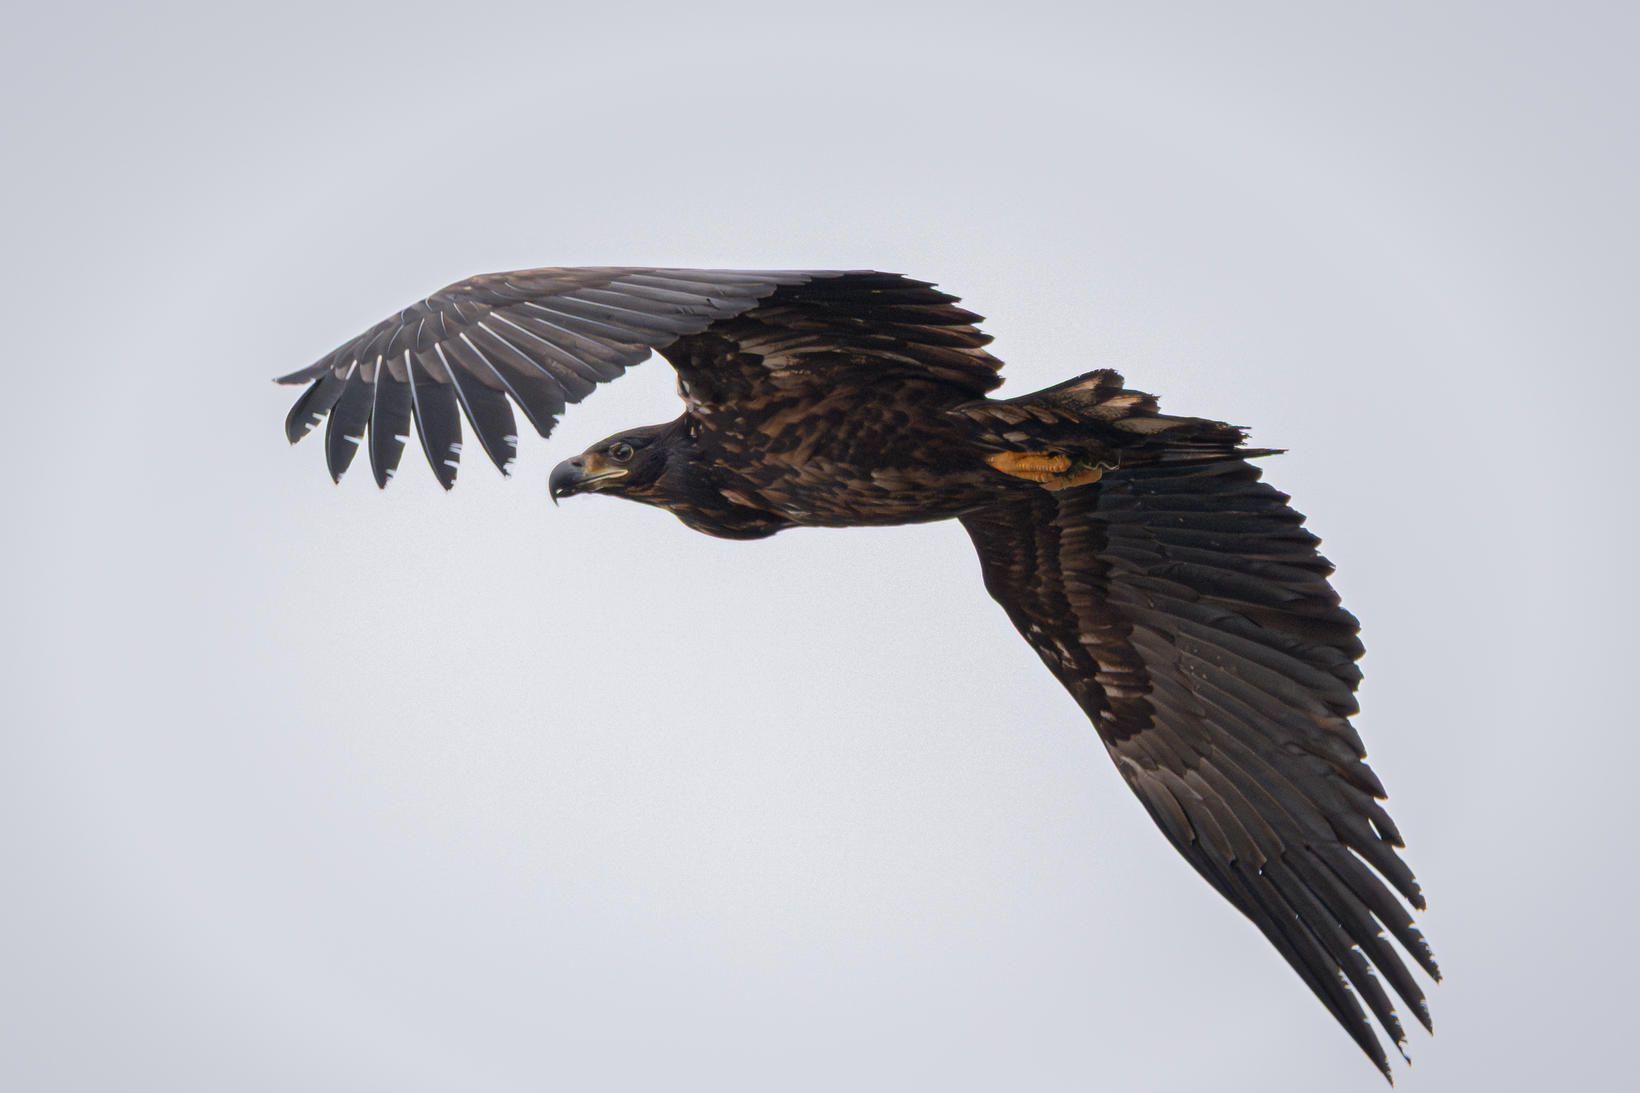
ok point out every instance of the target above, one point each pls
(1174, 595)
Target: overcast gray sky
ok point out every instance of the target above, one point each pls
(321, 788)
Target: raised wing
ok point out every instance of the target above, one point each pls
(1188, 612)
(545, 338)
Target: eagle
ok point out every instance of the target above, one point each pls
(1175, 594)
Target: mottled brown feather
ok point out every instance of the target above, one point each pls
(1189, 614)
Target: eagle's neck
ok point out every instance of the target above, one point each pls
(703, 494)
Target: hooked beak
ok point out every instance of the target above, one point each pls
(583, 474)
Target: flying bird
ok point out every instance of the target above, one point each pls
(1172, 592)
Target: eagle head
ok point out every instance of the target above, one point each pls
(630, 463)
(661, 465)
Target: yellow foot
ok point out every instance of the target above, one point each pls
(1053, 470)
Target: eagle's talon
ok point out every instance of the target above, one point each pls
(1051, 470)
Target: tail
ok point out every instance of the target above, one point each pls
(1069, 434)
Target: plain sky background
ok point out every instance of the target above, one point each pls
(315, 787)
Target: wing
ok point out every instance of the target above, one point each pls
(1188, 612)
(544, 338)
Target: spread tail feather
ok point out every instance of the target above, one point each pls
(1093, 421)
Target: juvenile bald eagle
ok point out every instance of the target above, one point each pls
(1176, 596)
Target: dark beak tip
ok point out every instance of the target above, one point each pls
(562, 481)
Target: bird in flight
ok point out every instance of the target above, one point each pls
(1175, 595)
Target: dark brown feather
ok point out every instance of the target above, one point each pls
(1187, 611)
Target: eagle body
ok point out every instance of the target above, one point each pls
(829, 437)
(1175, 595)
(874, 454)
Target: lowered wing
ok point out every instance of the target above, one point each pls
(1188, 612)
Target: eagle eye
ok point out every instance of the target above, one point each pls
(620, 452)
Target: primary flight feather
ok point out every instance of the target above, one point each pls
(1175, 595)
